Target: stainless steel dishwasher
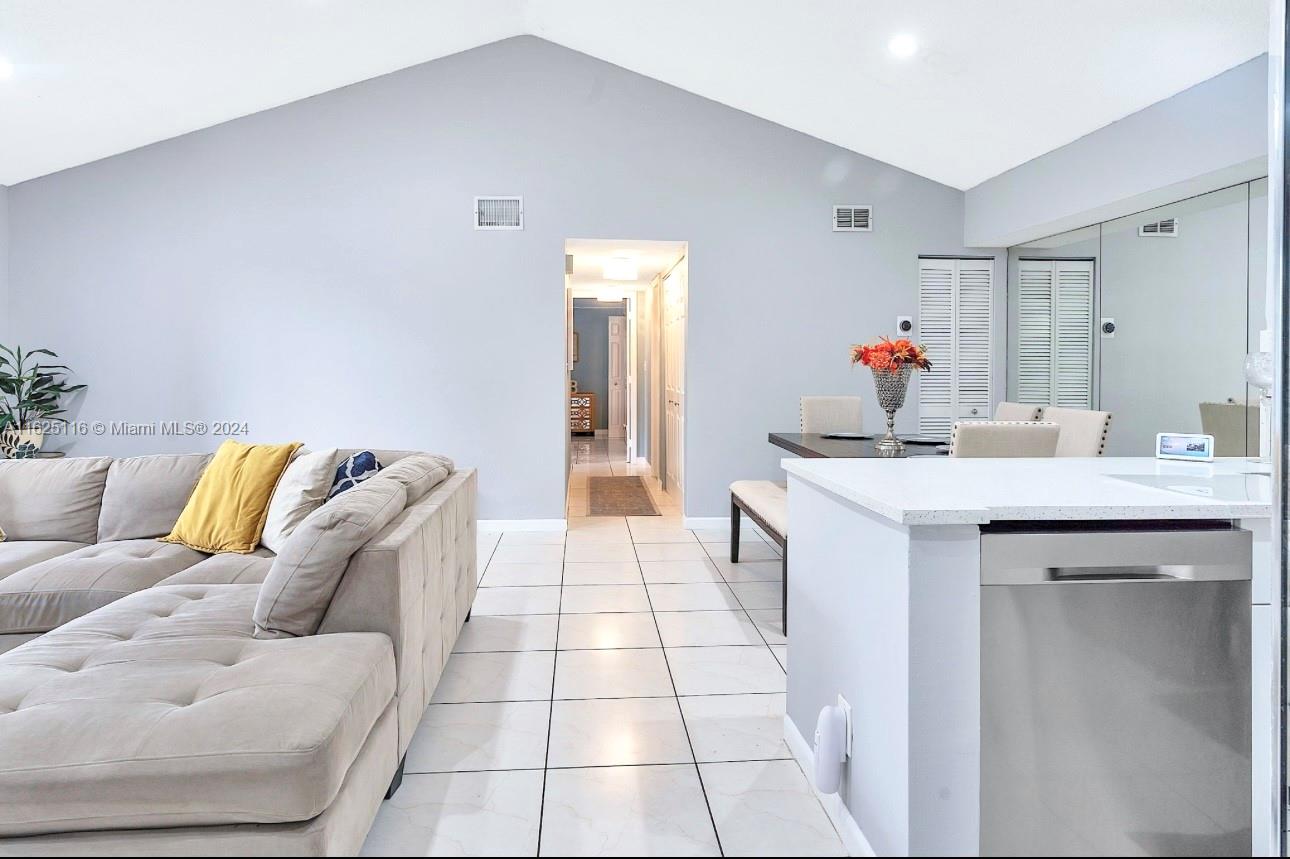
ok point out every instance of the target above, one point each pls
(1115, 690)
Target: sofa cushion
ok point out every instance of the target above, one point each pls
(302, 490)
(52, 499)
(161, 711)
(300, 584)
(51, 593)
(226, 568)
(419, 473)
(144, 495)
(227, 509)
(16, 555)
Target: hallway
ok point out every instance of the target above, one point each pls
(599, 456)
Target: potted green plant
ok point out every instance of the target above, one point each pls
(31, 394)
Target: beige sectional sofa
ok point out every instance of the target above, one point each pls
(139, 714)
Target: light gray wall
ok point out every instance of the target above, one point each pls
(312, 269)
(591, 321)
(4, 265)
(1210, 136)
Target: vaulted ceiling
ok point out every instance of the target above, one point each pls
(993, 83)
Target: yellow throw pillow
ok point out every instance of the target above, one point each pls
(226, 511)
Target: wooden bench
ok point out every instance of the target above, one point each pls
(766, 503)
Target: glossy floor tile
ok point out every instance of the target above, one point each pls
(487, 633)
(588, 599)
(460, 814)
(735, 727)
(627, 811)
(616, 732)
(557, 723)
(608, 631)
(614, 674)
(766, 808)
(499, 736)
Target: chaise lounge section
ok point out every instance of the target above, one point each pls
(140, 715)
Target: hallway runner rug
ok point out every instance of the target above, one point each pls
(618, 496)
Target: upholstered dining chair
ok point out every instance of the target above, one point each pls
(1004, 439)
(1234, 426)
(1084, 431)
(831, 414)
(1007, 411)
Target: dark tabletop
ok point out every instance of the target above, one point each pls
(815, 446)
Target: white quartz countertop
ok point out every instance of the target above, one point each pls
(942, 491)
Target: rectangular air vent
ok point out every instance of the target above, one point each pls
(499, 213)
(852, 219)
(1167, 227)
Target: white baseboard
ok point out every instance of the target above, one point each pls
(720, 523)
(852, 838)
(495, 525)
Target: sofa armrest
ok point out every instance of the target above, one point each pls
(415, 582)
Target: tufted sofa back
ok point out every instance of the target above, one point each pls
(415, 582)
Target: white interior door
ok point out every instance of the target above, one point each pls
(674, 306)
(617, 377)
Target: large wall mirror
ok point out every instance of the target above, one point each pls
(1148, 317)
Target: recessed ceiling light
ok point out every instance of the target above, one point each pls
(903, 46)
(6, 69)
(621, 268)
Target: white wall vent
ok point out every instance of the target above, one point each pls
(1167, 227)
(852, 219)
(499, 213)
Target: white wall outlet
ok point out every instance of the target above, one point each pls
(904, 325)
(1107, 328)
(846, 711)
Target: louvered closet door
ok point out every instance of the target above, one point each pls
(973, 304)
(1055, 333)
(955, 303)
(1073, 335)
(936, 333)
(1035, 332)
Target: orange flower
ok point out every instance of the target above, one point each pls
(889, 356)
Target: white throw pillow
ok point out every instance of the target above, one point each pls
(301, 490)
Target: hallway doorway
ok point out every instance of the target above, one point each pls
(625, 308)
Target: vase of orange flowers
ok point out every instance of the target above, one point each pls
(892, 363)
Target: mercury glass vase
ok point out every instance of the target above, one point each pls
(891, 388)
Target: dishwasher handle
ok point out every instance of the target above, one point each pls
(1071, 558)
(1132, 573)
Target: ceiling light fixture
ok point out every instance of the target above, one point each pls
(6, 69)
(903, 46)
(621, 268)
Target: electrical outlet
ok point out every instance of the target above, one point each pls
(846, 710)
(904, 324)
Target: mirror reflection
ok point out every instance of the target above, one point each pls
(1149, 317)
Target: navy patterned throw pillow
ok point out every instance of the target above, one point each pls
(353, 471)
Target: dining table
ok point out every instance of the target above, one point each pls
(813, 445)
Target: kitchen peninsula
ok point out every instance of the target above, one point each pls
(1011, 634)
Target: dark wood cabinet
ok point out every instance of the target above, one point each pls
(582, 413)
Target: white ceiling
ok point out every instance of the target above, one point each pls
(995, 82)
(589, 257)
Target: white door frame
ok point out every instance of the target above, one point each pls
(633, 331)
(673, 477)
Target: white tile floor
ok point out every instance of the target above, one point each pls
(619, 691)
